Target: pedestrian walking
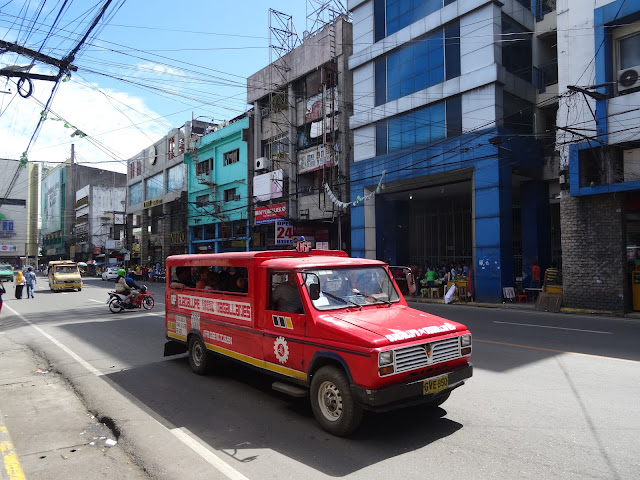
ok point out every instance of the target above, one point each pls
(30, 280)
(2, 292)
(19, 284)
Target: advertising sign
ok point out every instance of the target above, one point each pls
(6, 228)
(8, 248)
(268, 186)
(284, 232)
(51, 201)
(270, 213)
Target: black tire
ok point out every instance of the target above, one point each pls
(80, 289)
(198, 356)
(115, 306)
(332, 403)
(148, 302)
(439, 400)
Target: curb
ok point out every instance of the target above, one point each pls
(589, 311)
(12, 469)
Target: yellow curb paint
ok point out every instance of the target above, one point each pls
(10, 457)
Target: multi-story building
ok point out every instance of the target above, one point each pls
(18, 213)
(218, 192)
(599, 141)
(66, 224)
(449, 118)
(99, 228)
(157, 197)
(302, 144)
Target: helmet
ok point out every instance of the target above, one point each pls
(121, 272)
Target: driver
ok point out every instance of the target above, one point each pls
(121, 285)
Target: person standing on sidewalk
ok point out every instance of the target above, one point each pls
(30, 279)
(19, 284)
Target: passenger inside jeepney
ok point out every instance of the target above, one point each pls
(285, 296)
(182, 279)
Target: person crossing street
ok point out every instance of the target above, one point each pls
(30, 280)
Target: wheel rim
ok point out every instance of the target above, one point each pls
(330, 401)
(197, 354)
(148, 303)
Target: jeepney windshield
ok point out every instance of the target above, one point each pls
(66, 269)
(354, 286)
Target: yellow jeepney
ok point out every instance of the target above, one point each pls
(64, 275)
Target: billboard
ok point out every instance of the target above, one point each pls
(270, 213)
(52, 202)
(268, 185)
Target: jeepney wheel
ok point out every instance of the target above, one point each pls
(332, 403)
(79, 289)
(148, 303)
(198, 356)
(440, 400)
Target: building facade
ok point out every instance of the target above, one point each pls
(218, 191)
(302, 144)
(156, 206)
(452, 103)
(66, 226)
(18, 213)
(599, 142)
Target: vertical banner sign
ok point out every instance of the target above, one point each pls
(284, 232)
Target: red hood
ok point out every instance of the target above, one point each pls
(398, 323)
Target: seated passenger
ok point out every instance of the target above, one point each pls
(203, 279)
(184, 280)
(286, 297)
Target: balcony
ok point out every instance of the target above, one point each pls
(545, 75)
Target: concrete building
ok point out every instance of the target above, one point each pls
(99, 228)
(218, 191)
(301, 142)
(18, 213)
(599, 142)
(156, 206)
(65, 215)
(452, 101)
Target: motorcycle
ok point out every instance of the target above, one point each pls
(144, 299)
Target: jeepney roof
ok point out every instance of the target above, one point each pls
(285, 259)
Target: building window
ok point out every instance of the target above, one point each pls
(629, 52)
(393, 15)
(419, 127)
(204, 167)
(230, 195)
(202, 201)
(171, 148)
(175, 178)
(517, 52)
(232, 157)
(139, 167)
(135, 194)
(418, 65)
(132, 169)
(518, 114)
(155, 186)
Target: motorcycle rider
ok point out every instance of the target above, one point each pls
(122, 287)
(132, 285)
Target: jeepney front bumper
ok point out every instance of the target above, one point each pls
(411, 393)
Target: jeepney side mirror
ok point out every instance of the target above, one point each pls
(314, 291)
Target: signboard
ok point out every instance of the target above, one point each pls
(270, 213)
(322, 245)
(268, 186)
(7, 229)
(151, 203)
(284, 232)
(51, 201)
(96, 250)
(8, 248)
(313, 159)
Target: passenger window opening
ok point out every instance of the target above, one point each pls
(211, 278)
(284, 293)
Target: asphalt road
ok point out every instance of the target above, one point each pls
(553, 396)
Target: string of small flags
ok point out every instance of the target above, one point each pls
(359, 199)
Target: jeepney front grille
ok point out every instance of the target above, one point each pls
(410, 358)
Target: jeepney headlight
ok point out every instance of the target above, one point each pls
(465, 341)
(385, 358)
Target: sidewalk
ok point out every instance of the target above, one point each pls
(48, 427)
(528, 306)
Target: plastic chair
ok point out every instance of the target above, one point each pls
(434, 292)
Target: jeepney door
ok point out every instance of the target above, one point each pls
(284, 323)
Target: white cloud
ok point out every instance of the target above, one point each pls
(87, 110)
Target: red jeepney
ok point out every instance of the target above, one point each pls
(325, 325)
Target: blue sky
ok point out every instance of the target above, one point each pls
(149, 68)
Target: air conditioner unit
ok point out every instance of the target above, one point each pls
(261, 164)
(628, 79)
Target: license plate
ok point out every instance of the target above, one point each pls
(435, 385)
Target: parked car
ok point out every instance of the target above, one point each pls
(6, 272)
(110, 274)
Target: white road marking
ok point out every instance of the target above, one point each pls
(186, 437)
(555, 328)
